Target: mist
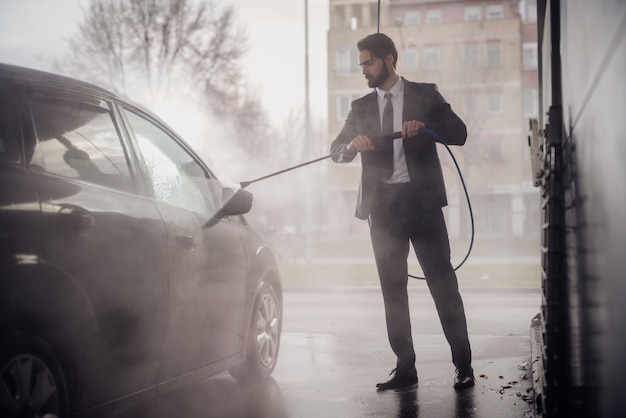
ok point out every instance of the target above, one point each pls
(334, 345)
(297, 210)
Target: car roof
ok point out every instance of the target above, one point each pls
(31, 75)
(45, 78)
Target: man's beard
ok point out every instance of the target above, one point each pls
(377, 81)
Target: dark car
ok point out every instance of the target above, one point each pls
(127, 269)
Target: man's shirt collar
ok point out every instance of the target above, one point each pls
(394, 90)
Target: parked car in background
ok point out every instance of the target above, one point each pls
(127, 268)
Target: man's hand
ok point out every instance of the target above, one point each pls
(360, 143)
(411, 128)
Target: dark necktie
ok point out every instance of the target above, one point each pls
(387, 146)
(388, 116)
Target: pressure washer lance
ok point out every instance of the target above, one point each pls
(384, 138)
(395, 135)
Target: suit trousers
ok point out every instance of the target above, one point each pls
(396, 220)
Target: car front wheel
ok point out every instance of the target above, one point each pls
(31, 382)
(263, 340)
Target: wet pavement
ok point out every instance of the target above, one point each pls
(334, 350)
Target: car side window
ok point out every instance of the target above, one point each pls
(10, 146)
(176, 177)
(79, 141)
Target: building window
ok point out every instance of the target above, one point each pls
(336, 16)
(366, 14)
(347, 61)
(529, 11)
(531, 102)
(494, 151)
(492, 214)
(434, 16)
(343, 106)
(494, 102)
(412, 18)
(494, 147)
(530, 55)
(470, 55)
(343, 103)
(470, 102)
(472, 13)
(348, 14)
(357, 16)
(374, 14)
(431, 57)
(495, 11)
(410, 60)
(494, 54)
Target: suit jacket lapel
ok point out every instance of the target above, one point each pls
(411, 107)
(372, 114)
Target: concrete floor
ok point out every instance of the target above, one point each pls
(334, 350)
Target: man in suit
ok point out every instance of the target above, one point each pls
(401, 195)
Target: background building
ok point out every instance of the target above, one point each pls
(483, 57)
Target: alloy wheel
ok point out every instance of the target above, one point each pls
(28, 388)
(267, 330)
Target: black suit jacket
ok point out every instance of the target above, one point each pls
(422, 102)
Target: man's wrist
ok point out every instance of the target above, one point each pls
(350, 151)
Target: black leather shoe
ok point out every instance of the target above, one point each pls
(463, 378)
(404, 379)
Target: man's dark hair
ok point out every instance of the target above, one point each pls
(379, 45)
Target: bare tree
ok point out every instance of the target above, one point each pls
(163, 48)
(150, 41)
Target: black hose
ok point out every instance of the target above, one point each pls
(469, 203)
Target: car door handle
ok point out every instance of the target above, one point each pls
(76, 217)
(186, 241)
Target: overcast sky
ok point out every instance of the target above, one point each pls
(33, 30)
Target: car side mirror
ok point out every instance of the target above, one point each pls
(236, 203)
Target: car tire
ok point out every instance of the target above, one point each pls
(263, 339)
(32, 380)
